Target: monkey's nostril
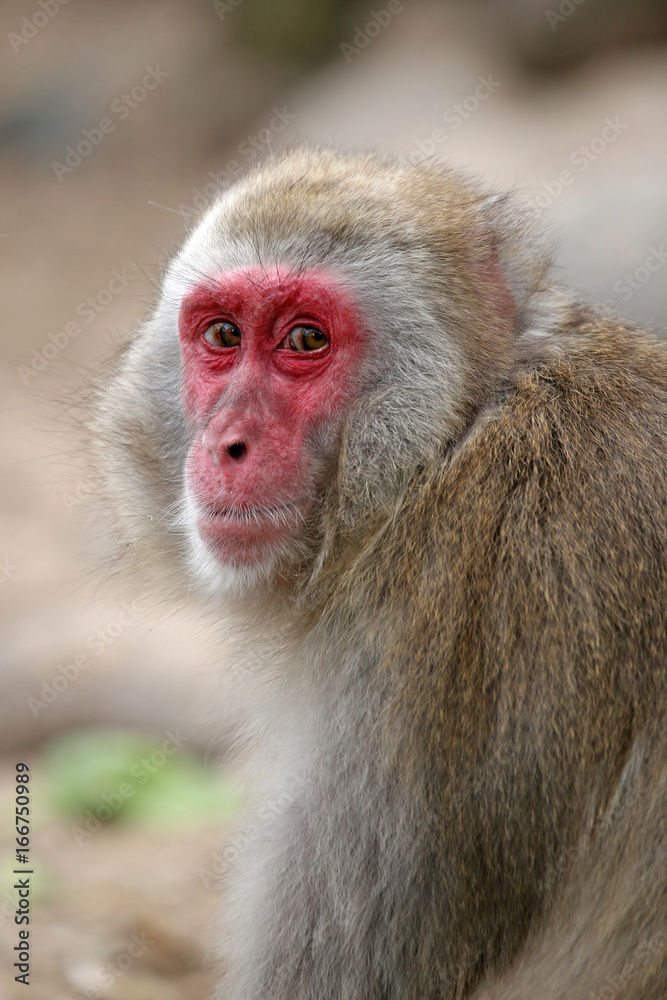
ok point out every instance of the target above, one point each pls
(237, 450)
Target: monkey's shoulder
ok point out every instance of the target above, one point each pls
(546, 526)
(598, 403)
(571, 458)
(565, 475)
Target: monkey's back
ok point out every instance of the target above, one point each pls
(574, 462)
(529, 672)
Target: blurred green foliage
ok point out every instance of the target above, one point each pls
(304, 30)
(122, 775)
(539, 34)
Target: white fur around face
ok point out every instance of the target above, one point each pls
(212, 575)
(413, 384)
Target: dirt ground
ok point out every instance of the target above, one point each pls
(124, 915)
(81, 247)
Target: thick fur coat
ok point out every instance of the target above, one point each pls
(464, 787)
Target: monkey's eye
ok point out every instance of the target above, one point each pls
(222, 333)
(304, 338)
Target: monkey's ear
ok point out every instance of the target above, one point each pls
(513, 259)
(495, 288)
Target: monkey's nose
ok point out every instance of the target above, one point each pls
(237, 450)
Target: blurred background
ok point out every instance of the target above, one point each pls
(119, 125)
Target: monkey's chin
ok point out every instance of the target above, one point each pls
(238, 551)
(219, 571)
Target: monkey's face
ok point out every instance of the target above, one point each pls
(339, 320)
(269, 365)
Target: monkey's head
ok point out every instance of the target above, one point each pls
(330, 327)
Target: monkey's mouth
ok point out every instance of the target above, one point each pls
(241, 533)
(285, 515)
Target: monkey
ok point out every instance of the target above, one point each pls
(368, 430)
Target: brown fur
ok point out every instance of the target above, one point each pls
(478, 675)
(531, 660)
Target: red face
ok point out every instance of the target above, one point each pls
(268, 357)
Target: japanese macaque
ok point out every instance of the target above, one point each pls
(365, 423)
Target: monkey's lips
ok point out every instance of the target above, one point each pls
(244, 533)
